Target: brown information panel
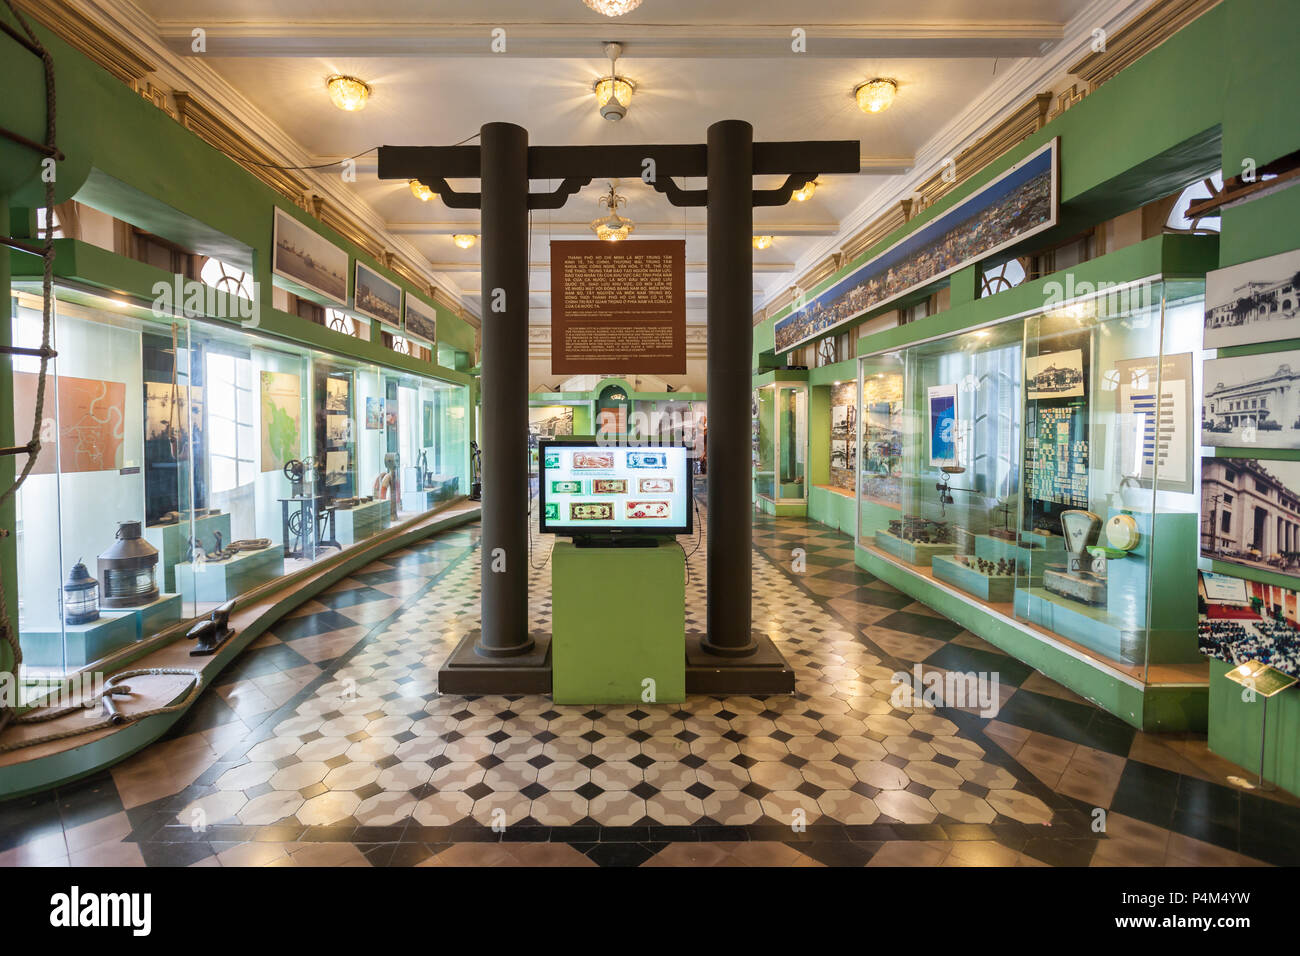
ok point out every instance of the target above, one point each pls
(618, 307)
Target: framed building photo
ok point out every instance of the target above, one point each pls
(304, 257)
(1252, 401)
(1054, 375)
(376, 297)
(1256, 301)
(420, 321)
(1250, 513)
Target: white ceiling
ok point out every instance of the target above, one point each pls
(436, 81)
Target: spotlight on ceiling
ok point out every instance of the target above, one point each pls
(347, 92)
(464, 240)
(420, 191)
(612, 227)
(876, 96)
(613, 92)
(613, 8)
(805, 193)
(762, 242)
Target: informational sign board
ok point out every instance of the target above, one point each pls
(618, 307)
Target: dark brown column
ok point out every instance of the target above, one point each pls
(730, 360)
(504, 158)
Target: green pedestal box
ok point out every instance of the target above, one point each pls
(172, 541)
(618, 622)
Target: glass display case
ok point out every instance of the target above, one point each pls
(781, 442)
(185, 462)
(1037, 464)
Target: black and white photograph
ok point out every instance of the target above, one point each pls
(376, 297)
(1257, 301)
(336, 468)
(1252, 401)
(336, 394)
(1250, 513)
(305, 257)
(338, 429)
(421, 320)
(1054, 375)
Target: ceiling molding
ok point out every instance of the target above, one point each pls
(1140, 36)
(88, 38)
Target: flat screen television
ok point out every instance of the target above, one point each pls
(615, 493)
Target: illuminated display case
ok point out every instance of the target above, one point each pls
(780, 438)
(1042, 465)
(237, 457)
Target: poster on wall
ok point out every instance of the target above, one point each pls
(943, 425)
(1154, 421)
(1054, 375)
(281, 419)
(844, 434)
(374, 413)
(1255, 301)
(1250, 513)
(169, 413)
(420, 321)
(1248, 621)
(306, 258)
(376, 297)
(882, 437)
(89, 433)
(1252, 401)
(618, 307)
(1020, 203)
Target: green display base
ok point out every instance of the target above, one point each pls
(996, 589)
(221, 580)
(912, 552)
(1081, 623)
(1032, 561)
(1047, 542)
(81, 644)
(618, 624)
(172, 541)
(364, 521)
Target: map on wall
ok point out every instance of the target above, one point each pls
(88, 433)
(281, 419)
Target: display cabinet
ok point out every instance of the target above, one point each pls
(781, 445)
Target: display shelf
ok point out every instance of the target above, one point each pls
(1093, 627)
(172, 541)
(995, 588)
(360, 522)
(76, 645)
(222, 580)
(913, 552)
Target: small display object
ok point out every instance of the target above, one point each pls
(212, 633)
(595, 491)
(1265, 681)
(80, 596)
(1082, 578)
(128, 569)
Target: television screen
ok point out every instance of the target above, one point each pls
(587, 488)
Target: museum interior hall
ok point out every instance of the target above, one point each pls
(650, 433)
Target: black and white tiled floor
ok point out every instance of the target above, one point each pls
(327, 743)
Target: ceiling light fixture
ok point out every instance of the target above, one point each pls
(613, 8)
(347, 92)
(420, 191)
(464, 240)
(804, 193)
(762, 242)
(612, 227)
(613, 92)
(876, 96)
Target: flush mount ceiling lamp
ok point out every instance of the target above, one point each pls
(420, 191)
(464, 240)
(805, 193)
(876, 96)
(613, 92)
(762, 242)
(612, 227)
(347, 92)
(613, 8)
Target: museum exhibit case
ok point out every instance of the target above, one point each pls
(187, 462)
(780, 446)
(1040, 468)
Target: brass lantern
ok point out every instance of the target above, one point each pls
(127, 570)
(80, 596)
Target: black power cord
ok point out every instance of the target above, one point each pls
(699, 538)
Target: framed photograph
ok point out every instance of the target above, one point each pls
(374, 413)
(1255, 301)
(943, 425)
(1250, 513)
(304, 257)
(1252, 401)
(336, 468)
(338, 429)
(1054, 375)
(376, 297)
(420, 321)
(336, 394)
(1245, 621)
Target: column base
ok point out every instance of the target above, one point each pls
(758, 674)
(469, 673)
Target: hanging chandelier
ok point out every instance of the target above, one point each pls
(612, 227)
(613, 92)
(613, 8)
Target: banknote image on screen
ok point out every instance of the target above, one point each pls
(588, 489)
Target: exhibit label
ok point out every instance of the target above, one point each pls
(618, 307)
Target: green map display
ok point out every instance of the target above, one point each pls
(281, 419)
